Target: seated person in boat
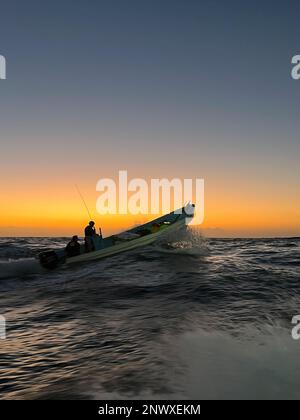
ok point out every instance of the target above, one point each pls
(73, 247)
(89, 233)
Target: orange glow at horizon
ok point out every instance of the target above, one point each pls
(56, 210)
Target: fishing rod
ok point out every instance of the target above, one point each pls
(85, 205)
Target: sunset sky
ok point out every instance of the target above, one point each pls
(185, 89)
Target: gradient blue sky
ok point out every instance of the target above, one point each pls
(161, 88)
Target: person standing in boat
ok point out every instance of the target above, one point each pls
(89, 233)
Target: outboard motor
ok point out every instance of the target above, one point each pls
(49, 259)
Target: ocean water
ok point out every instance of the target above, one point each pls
(202, 319)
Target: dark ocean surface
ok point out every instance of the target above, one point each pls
(210, 318)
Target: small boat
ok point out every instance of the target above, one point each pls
(139, 236)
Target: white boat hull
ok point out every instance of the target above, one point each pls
(126, 246)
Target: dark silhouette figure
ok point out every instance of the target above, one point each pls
(89, 233)
(73, 247)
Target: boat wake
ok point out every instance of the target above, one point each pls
(20, 267)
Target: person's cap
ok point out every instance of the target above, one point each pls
(92, 223)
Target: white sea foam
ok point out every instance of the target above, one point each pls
(186, 242)
(15, 268)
